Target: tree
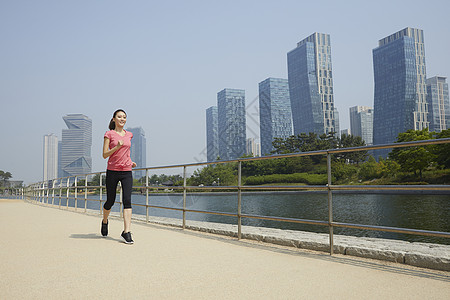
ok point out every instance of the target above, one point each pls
(389, 167)
(312, 142)
(225, 173)
(370, 169)
(442, 151)
(96, 180)
(153, 179)
(343, 172)
(413, 159)
(304, 143)
(348, 141)
(5, 176)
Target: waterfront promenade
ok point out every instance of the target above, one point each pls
(53, 254)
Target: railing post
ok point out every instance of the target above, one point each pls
(85, 193)
(184, 197)
(67, 192)
(43, 193)
(47, 191)
(330, 203)
(146, 195)
(60, 192)
(239, 200)
(53, 191)
(76, 193)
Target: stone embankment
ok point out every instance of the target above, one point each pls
(425, 255)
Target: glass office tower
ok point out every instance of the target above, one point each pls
(311, 85)
(232, 124)
(361, 123)
(50, 157)
(76, 146)
(138, 151)
(438, 103)
(212, 133)
(400, 94)
(275, 116)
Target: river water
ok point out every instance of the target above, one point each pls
(414, 211)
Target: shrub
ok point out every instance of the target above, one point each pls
(311, 179)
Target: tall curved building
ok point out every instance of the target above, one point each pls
(75, 158)
(310, 78)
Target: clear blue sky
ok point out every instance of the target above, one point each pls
(164, 62)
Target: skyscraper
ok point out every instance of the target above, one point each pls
(76, 146)
(253, 148)
(361, 123)
(232, 124)
(438, 103)
(138, 151)
(257, 149)
(345, 132)
(311, 85)
(400, 94)
(212, 133)
(275, 116)
(50, 157)
(337, 128)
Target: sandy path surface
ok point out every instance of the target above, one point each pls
(47, 253)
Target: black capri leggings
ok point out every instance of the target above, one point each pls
(112, 179)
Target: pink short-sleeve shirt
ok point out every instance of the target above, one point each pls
(119, 160)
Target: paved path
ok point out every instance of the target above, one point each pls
(47, 253)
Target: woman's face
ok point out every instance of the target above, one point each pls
(120, 119)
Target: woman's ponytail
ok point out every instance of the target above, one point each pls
(112, 125)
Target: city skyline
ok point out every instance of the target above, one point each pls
(121, 57)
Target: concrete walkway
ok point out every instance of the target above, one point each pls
(54, 254)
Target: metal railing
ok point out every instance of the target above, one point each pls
(44, 192)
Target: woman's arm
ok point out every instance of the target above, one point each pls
(108, 152)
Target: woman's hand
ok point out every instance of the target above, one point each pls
(133, 164)
(108, 152)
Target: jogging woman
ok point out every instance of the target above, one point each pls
(116, 146)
